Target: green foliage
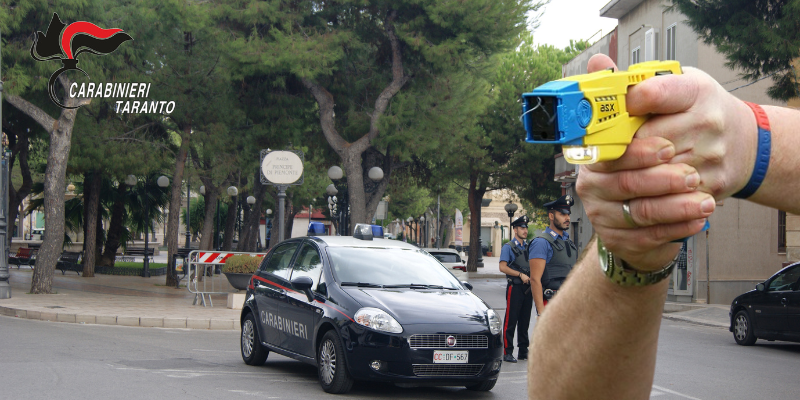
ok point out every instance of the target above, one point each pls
(759, 37)
(241, 264)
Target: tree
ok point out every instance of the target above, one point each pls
(355, 57)
(759, 37)
(495, 155)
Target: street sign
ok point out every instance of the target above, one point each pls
(282, 167)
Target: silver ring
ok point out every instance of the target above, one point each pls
(626, 212)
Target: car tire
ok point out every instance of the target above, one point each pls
(484, 386)
(331, 365)
(743, 329)
(253, 353)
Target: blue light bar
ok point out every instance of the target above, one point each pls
(316, 229)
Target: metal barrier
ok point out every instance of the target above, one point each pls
(207, 263)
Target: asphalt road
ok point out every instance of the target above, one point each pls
(46, 360)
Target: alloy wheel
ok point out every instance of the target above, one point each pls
(327, 359)
(741, 327)
(247, 338)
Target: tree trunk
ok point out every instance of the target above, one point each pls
(230, 224)
(289, 214)
(54, 183)
(474, 198)
(114, 227)
(19, 145)
(209, 215)
(93, 182)
(174, 219)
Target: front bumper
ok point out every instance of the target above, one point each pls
(402, 363)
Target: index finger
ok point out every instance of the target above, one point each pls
(641, 153)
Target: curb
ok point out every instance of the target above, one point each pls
(123, 320)
(695, 321)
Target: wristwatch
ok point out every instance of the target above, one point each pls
(621, 273)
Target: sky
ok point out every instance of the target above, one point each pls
(563, 20)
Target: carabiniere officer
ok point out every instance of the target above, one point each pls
(514, 263)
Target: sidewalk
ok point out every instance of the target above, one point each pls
(146, 302)
(715, 315)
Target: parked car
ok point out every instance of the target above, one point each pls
(771, 311)
(376, 310)
(452, 261)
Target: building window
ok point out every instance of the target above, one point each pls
(781, 231)
(670, 44)
(635, 55)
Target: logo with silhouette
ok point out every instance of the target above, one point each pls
(66, 42)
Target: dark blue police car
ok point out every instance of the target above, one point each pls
(364, 309)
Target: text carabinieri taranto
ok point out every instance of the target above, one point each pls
(122, 90)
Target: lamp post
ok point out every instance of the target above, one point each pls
(232, 191)
(341, 204)
(269, 228)
(410, 231)
(424, 233)
(250, 202)
(510, 208)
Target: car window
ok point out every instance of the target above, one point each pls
(787, 280)
(447, 257)
(308, 263)
(278, 263)
(389, 266)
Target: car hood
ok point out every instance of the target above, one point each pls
(410, 306)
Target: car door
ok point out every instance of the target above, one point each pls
(773, 313)
(269, 285)
(793, 310)
(302, 315)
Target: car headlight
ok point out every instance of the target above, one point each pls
(494, 322)
(377, 319)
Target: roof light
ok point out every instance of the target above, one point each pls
(316, 229)
(363, 232)
(377, 231)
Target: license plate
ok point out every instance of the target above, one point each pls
(450, 356)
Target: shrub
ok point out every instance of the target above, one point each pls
(241, 264)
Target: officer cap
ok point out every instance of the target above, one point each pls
(520, 222)
(562, 205)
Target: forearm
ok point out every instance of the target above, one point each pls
(599, 340)
(538, 295)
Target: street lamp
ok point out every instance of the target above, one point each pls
(510, 208)
(424, 233)
(269, 227)
(250, 201)
(340, 207)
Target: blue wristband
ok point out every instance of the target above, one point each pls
(762, 154)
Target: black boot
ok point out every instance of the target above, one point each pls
(522, 355)
(509, 358)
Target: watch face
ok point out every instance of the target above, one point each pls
(604, 256)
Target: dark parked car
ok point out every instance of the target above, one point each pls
(771, 311)
(364, 309)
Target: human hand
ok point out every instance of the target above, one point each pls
(711, 130)
(662, 181)
(525, 278)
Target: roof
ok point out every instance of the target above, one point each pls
(619, 8)
(442, 250)
(349, 241)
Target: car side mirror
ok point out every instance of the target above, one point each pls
(303, 284)
(467, 285)
(760, 287)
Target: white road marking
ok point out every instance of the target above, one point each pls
(686, 396)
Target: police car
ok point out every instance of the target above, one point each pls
(360, 308)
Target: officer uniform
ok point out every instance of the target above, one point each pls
(519, 301)
(558, 251)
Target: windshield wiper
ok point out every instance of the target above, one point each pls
(361, 284)
(416, 286)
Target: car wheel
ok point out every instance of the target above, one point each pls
(743, 329)
(331, 364)
(253, 353)
(484, 386)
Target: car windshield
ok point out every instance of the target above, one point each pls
(447, 257)
(368, 266)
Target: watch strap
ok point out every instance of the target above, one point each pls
(623, 274)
